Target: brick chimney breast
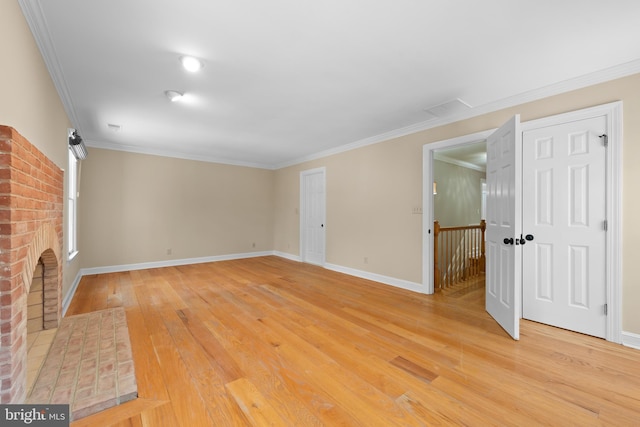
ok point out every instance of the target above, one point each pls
(31, 217)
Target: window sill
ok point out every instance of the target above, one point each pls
(71, 256)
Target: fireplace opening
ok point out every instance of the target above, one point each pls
(35, 301)
(39, 335)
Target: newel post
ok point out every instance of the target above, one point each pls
(436, 269)
(483, 227)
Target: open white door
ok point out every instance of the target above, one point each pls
(503, 270)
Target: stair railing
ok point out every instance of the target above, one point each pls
(458, 253)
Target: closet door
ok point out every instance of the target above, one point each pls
(312, 216)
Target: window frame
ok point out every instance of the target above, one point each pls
(72, 207)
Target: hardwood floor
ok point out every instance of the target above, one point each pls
(267, 341)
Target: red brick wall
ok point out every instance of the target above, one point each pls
(31, 206)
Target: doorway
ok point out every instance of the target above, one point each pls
(429, 154)
(459, 228)
(612, 114)
(312, 216)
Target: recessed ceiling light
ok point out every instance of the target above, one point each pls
(173, 95)
(191, 63)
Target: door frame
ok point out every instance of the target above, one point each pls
(613, 263)
(303, 175)
(428, 151)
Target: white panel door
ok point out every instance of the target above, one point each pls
(564, 209)
(312, 213)
(503, 270)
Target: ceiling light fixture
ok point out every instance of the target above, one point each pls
(191, 63)
(173, 95)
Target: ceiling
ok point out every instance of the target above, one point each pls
(285, 81)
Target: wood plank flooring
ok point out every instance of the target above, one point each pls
(267, 341)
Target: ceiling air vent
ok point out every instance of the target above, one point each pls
(449, 108)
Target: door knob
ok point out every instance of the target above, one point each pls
(529, 237)
(508, 241)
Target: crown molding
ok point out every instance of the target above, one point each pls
(597, 77)
(174, 154)
(34, 16)
(601, 76)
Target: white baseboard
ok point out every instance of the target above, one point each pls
(70, 293)
(145, 265)
(631, 340)
(170, 263)
(285, 255)
(392, 281)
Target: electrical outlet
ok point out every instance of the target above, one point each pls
(169, 251)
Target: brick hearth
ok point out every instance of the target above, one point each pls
(89, 365)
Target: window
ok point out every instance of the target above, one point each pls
(72, 237)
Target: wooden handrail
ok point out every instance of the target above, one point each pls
(458, 253)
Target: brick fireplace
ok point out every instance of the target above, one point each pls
(31, 210)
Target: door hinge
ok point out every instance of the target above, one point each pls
(606, 309)
(605, 225)
(605, 139)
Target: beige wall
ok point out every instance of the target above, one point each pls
(134, 207)
(370, 196)
(371, 191)
(29, 102)
(459, 199)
